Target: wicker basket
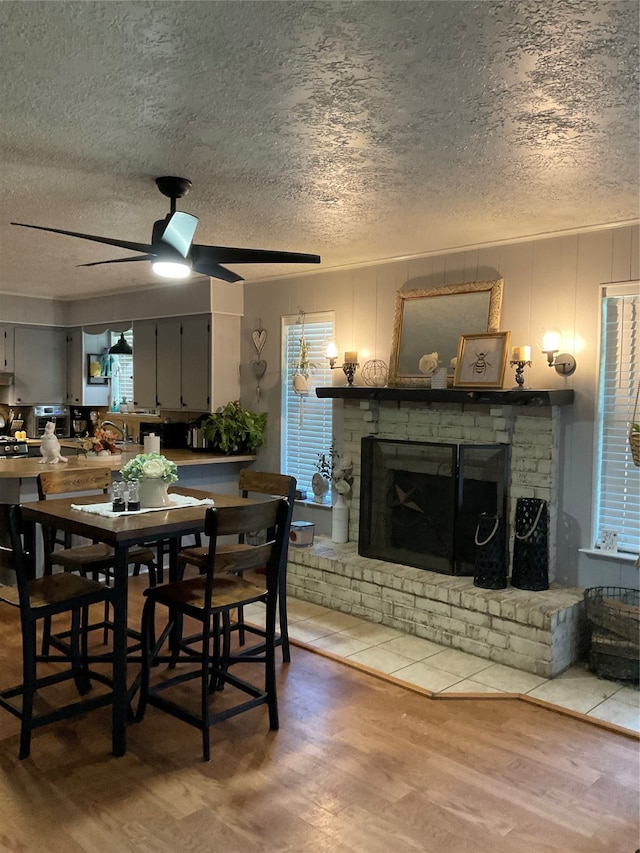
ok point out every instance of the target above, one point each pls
(616, 609)
(607, 643)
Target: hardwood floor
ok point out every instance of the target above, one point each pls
(360, 765)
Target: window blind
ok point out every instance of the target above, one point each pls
(307, 422)
(618, 486)
(125, 362)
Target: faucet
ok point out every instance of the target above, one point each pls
(124, 432)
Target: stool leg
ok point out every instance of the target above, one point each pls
(28, 689)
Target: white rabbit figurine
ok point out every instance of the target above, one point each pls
(50, 446)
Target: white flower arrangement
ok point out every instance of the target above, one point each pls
(428, 363)
(339, 471)
(152, 466)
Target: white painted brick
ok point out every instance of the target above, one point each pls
(428, 606)
(447, 624)
(471, 617)
(487, 636)
(538, 651)
(471, 646)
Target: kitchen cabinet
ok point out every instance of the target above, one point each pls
(172, 363)
(168, 364)
(40, 366)
(195, 363)
(144, 363)
(6, 349)
(75, 368)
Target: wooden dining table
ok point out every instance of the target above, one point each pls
(121, 533)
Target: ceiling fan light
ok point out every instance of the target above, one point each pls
(122, 347)
(172, 269)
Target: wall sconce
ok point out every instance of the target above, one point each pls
(349, 365)
(564, 362)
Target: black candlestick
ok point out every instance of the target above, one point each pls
(349, 368)
(520, 371)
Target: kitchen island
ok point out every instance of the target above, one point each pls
(199, 470)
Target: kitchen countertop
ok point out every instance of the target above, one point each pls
(23, 467)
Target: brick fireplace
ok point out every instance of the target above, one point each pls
(541, 632)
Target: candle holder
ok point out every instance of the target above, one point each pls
(349, 368)
(520, 371)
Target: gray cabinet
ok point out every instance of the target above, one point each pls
(172, 363)
(75, 368)
(6, 348)
(144, 363)
(40, 365)
(168, 362)
(195, 363)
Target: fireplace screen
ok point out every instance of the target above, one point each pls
(420, 501)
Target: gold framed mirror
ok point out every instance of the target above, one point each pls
(432, 320)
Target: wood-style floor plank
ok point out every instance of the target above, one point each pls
(359, 765)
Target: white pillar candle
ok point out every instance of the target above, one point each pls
(351, 357)
(521, 354)
(152, 443)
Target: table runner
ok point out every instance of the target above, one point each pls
(176, 502)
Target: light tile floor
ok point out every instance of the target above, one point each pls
(444, 670)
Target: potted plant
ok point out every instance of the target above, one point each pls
(303, 367)
(233, 429)
(153, 472)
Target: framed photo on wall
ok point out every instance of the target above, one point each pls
(482, 360)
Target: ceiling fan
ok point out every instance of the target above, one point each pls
(172, 252)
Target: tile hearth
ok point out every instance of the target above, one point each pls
(444, 670)
(542, 633)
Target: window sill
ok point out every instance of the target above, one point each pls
(622, 556)
(312, 503)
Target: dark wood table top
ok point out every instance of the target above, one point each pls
(126, 529)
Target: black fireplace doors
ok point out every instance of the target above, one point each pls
(420, 501)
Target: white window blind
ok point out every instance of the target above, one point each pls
(618, 492)
(307, 422)
(125, 362)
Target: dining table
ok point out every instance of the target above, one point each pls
(122, 532)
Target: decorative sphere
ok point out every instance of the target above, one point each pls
(375, 372)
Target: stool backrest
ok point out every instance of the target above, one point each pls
(13, 557)
(64, 481)
(272, 484)
(271, 515)
(267, 483)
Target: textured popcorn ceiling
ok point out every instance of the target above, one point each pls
(360, 131)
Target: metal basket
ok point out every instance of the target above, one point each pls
(614, 667)
(616, 609)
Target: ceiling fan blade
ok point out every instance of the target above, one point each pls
(122, 244)
(119, 261)
(228, 255)
(216, 271)
(179, 230)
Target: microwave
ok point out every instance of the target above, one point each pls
(40, 415)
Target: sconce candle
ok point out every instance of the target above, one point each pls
(351, 357)
(521, 354)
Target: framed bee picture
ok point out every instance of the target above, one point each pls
(482, 360)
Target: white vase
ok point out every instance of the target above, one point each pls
(153, 492)
(340, 521)
(300, 385)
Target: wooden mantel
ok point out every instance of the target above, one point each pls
(509, 397)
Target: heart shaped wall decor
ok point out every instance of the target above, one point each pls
(258, 368)
(259, 339)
